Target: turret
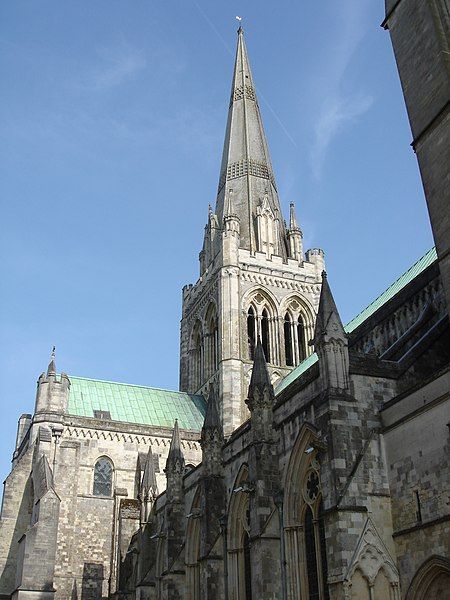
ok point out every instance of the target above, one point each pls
(295, 236)
(330, 341)
(52, 391)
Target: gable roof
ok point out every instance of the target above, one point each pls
(417, 268)
(135, 403)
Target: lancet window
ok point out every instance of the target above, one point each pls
(297, 330)
(103, 477)
(193, 552)
(197, 357)
(251, 332)
(305, 527)
(211, 342)
(239, 547)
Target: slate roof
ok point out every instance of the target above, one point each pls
(417, 268)
(135, 403)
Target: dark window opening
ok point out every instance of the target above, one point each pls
(301, 340)
(251, 333)
(288, 341)
(311, 559)
(247, 568)
(418, 507)
(102, 414)
(323, 552)
(103, 476)
(265, 337)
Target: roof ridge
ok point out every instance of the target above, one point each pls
(429, 253)
(138, 385)
(312, 358)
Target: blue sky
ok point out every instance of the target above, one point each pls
(112, 121)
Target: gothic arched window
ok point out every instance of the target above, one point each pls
(251, 332)
(301, 339)
(265, 334)
(288, 340)
(212, 342)
(197, 357)
(103, 477)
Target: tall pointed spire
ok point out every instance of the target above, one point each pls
(246, 161)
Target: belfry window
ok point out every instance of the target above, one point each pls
(265, 334)
(301, 340)
(288, 341)
(251, 332)
(197, 357)
(103, 477)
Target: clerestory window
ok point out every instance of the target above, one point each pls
(103, 477)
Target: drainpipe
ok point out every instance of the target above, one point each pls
(278, 501)
(223, 529)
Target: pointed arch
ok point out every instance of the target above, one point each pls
(297, 330)
(211, 340)
(432, 577)
(196, 357)
(261, 310)
(103, 477)
(192, 554)
(239, 548)
(304, 520)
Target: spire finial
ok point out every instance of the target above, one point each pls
(51, 369)
(240, 30)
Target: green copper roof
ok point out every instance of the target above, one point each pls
(135, 403)
(391, 291)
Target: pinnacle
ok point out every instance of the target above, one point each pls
(260, 379)
(327, 310)
(175, 458)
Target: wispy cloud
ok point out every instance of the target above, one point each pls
(114, 67)
(338, 108)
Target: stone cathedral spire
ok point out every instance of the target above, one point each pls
(255, 281)
(246, 167)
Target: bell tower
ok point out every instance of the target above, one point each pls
(255, 282)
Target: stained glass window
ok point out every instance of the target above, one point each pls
(103, 476)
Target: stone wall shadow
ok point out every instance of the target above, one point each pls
(21, 526)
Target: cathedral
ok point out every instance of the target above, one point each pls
(301, 459)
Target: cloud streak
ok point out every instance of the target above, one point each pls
(337, 109)
(116, 66)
